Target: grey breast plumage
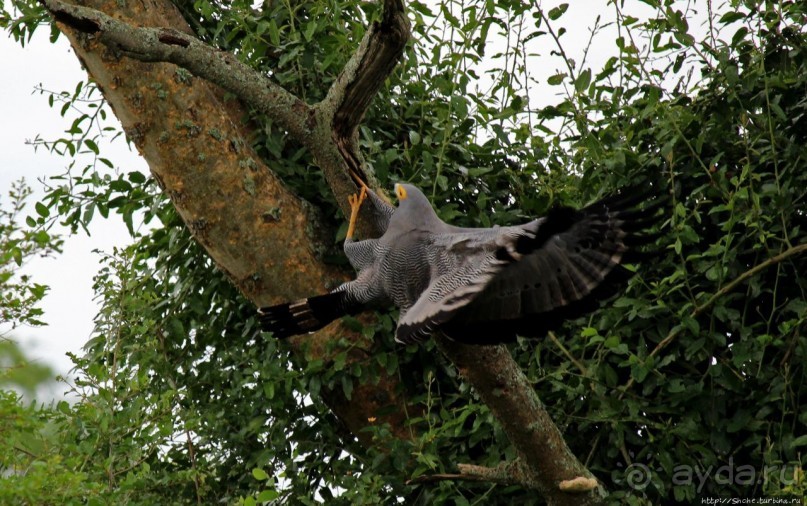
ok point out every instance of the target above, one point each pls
(483, 285)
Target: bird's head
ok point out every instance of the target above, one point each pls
(410, 195)
(414, 209)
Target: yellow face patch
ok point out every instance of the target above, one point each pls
(400, 191)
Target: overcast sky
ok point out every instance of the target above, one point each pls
(69, 307)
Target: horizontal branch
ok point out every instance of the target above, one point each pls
(173, 46)
(506, 473)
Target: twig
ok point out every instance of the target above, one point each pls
(566, 352)
(723, 291)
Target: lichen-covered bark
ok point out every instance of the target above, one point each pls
(259, 233)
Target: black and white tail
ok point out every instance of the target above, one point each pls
(305, 315)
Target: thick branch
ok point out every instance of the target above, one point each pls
(503, 387)
(202, 60)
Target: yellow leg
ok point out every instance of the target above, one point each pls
(355, 203)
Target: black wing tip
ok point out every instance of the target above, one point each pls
(558, 219)
(637, 211)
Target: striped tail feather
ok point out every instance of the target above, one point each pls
(305, 315)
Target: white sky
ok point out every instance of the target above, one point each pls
(69, 306)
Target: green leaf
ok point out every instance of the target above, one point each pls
(692, 325)
(310, 29)
(347, 386)
(259, 474)
(137, 177)
(588, 332)
(556, 79)
(63, 407)
(92, 145)
(41, 209)
(268, 495)
(274, 33)
(16, 253)
(583, 80)
(731, 17)
(314, 385)
(799, 441)
(558, 11)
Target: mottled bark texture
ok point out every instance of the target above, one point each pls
(260, 234)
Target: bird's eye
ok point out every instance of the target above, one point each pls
(400, 191)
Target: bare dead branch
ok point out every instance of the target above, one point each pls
(362, 77)
(506, 473)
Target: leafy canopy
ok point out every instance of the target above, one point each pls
(698, 365)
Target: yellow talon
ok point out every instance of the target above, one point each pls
(355, 204)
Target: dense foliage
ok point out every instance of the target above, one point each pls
(690, 384)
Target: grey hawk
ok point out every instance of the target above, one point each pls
(478, 285)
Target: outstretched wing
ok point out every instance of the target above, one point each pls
(471, 260)
(573, 261)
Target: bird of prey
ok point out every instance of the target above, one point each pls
(478, 285)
